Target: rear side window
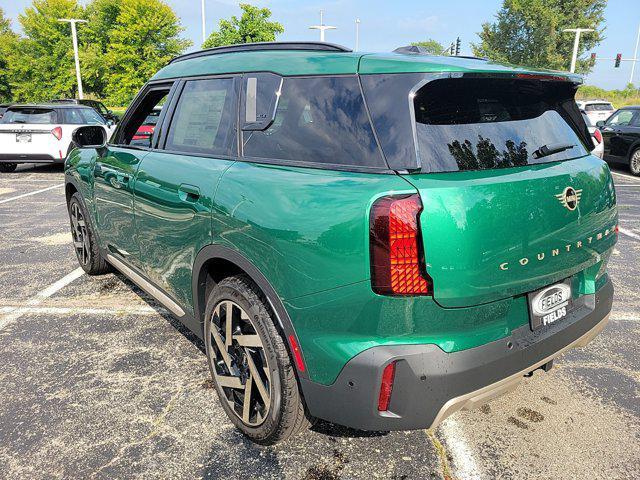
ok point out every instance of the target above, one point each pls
(204, 118)
(81, 116)
(30, 115)
(598, 107)
(318, 120)
(477, 124)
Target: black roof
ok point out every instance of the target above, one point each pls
(631, 107)
(252, 47)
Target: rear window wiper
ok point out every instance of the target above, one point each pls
(552, 148)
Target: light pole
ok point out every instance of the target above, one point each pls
(357, 34)
(204, 23)
(322, 27)
(74, 34)
(576, 43)
(635, 57)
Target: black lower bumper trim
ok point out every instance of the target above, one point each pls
(429, 382)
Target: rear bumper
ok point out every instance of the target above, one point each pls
(431, 384)
(29, 158)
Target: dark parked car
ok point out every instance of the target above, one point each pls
(96, 105)
(621, 134)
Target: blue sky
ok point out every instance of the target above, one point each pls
(386, 25)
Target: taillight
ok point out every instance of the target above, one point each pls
(397, 260)
(386, 387)
(598, 136)
(57, 132)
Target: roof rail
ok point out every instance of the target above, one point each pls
(252, 47)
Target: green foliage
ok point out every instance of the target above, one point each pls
(253, 26)
(123, 44)
(41, 62)
(7, 44)
(143, 38)
(619, 98)
(432, 46)
(529, 32)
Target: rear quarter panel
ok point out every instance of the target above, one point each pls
(305, 229)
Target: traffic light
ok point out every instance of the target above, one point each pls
(618, 60)
(458, 46)
(593, 59)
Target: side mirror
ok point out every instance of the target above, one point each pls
(600, 123)
(92, 136)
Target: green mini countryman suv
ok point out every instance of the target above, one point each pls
(376, 240)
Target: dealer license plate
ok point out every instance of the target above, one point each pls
(550, 304)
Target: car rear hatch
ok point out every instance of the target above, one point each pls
(29, 131)
(512, 199)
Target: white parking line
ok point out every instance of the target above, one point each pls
(625, 175)
(628, 233)
(464, 462)
(30, 193)
(40, 297)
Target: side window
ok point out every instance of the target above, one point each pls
(260, 93)
(204, 120)
(622, 118)
(133, 131)
(636, 119)
(318, 120)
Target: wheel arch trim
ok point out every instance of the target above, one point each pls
(215, 252)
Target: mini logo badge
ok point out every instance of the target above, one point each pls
(569, 198)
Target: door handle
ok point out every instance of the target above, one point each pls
(188, 193)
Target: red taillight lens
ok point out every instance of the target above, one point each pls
(598, 136)
(386, 387)
(57, 132)
(397, 261)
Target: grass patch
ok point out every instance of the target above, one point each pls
(619, 98)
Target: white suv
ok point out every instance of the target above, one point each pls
(42, 133)
(596, 110)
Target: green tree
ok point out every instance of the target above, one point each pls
(7, 44)
(529, 32)
(41, 63)
(432, 46)
(143, 37)
(252, 26)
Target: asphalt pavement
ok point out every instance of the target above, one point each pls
(99, 381)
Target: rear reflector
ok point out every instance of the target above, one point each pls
(397, 261)
(598, 136)
(297, 354)
(386, 387)
(57, 132)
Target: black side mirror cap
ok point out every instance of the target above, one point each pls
(91, 136)
(600, 123)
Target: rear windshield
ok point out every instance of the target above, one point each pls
(478, 124)
(30, 115)
(598, 107)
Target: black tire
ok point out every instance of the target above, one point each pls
(8, 167)
(286, 415)
(634, 162)
(84, 239)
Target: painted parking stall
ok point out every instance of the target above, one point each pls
(99, 381)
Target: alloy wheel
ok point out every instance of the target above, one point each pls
(79, 234)
(239, 363)
(635, 163)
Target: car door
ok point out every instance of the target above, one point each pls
(613, 132)
(176, 182)
(114, 175)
